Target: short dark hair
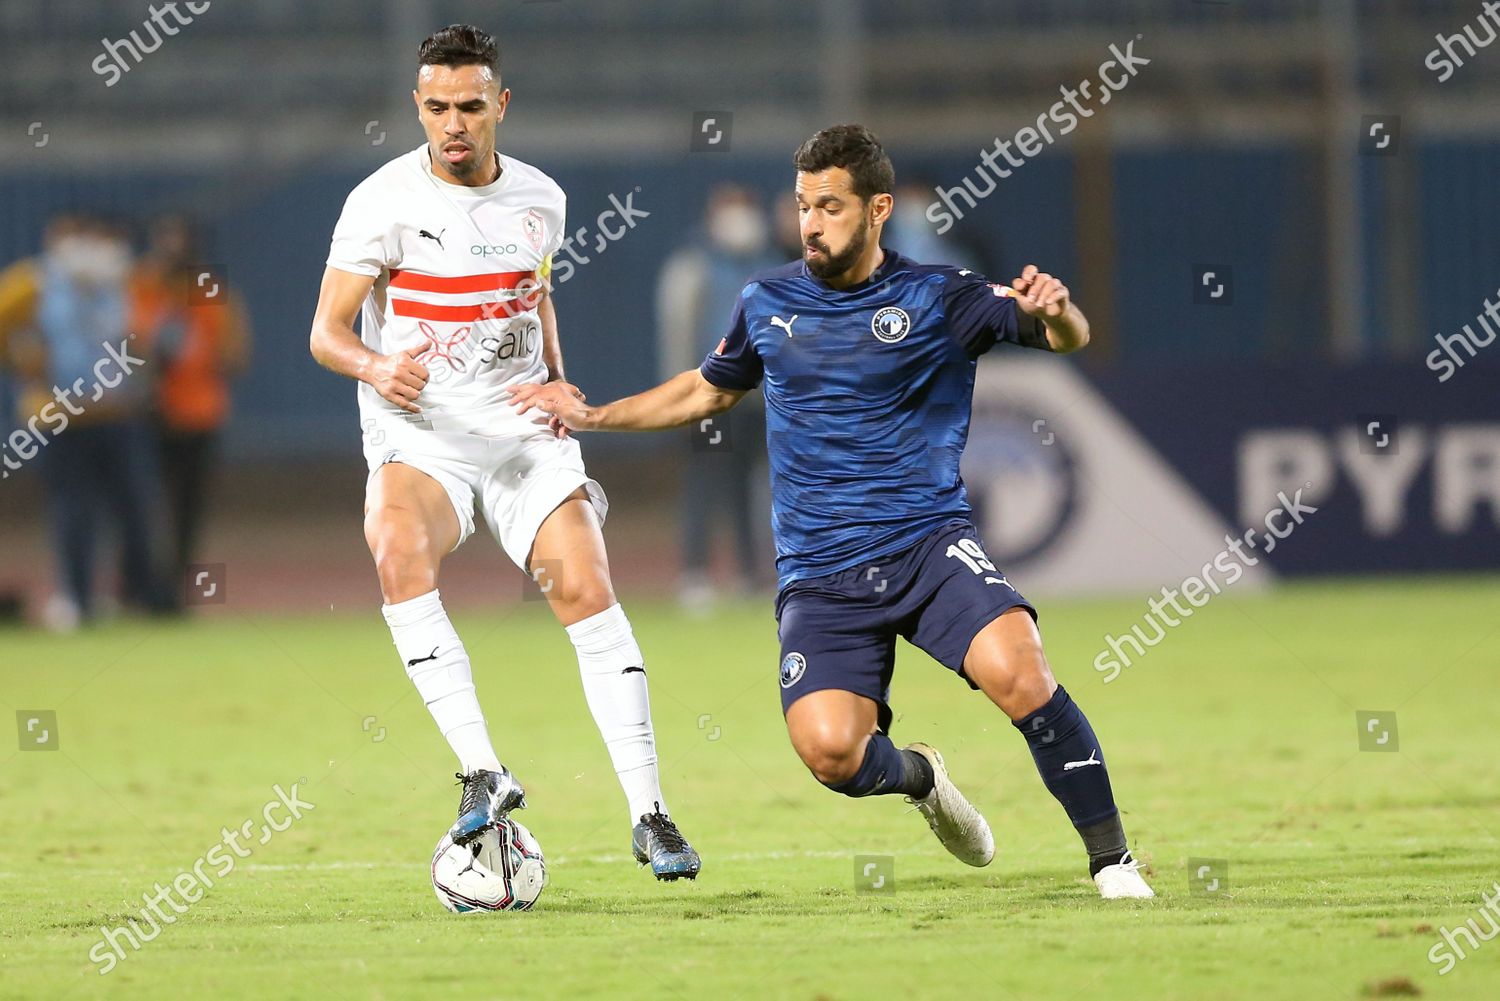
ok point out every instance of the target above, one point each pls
(857, 150)
(460, 45)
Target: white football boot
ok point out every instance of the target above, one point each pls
(960, 827)
(1123, 880)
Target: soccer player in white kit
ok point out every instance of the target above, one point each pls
(444, 253)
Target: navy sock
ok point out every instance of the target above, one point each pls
(1072, 767)
(887, 770)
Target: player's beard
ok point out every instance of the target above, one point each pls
(831, 265)
(466, 168)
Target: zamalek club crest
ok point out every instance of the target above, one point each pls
(532, 224)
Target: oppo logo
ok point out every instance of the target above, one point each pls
(485, 249)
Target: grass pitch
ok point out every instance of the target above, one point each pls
(1233, 740)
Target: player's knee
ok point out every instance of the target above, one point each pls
(581, 594)
(403, 556)
(832, 758)
(1023, 684)
(1037, 686)
(404, 574)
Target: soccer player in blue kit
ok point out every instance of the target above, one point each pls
(867, 360)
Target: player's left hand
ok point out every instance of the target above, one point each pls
(1040, 294)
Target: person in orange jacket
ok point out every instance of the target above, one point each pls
(198, 334)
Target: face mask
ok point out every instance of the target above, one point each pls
(91, 260)
(737, 229)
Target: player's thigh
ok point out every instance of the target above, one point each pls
(971, 619)
(569, 560)
(410, 523)
(837, 658)
(1005, 660)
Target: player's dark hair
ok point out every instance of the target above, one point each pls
(854, 148)
(460, 45)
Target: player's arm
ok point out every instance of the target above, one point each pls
(727, 375)
(552, 358)
(399, 378)
(1045, 298)
(682, 399)
(551, 344)
(547, 313)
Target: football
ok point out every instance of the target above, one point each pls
(501, 870)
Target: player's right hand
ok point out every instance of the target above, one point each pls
(399, 378)
(562, 402)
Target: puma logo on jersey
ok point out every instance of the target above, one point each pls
(786, 325)
(436, 239)
(1068, 766)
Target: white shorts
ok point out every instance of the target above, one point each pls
(516, 480)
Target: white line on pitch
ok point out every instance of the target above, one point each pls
(560, 860)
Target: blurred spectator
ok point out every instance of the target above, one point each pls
(198, 337)
(911, 234)
(13, 282)
(63, 318)
(695, 296)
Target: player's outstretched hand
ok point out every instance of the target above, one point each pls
(1040, 294)
(555, 424)
(399, 378)
(562, 402)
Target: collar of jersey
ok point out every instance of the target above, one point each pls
(888, 266)
(464, 190)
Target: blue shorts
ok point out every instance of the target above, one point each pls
(840, 631)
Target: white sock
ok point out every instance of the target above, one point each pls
(438, 665)
(614, 683)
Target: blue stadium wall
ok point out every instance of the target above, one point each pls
(1256, 208)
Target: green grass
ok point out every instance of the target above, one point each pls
(1234, 739)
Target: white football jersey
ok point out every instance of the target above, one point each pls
(459, 273)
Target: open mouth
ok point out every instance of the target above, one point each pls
(454, 152)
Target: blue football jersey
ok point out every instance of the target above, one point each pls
(868, 391)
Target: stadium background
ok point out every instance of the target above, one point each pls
(1238, 145)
